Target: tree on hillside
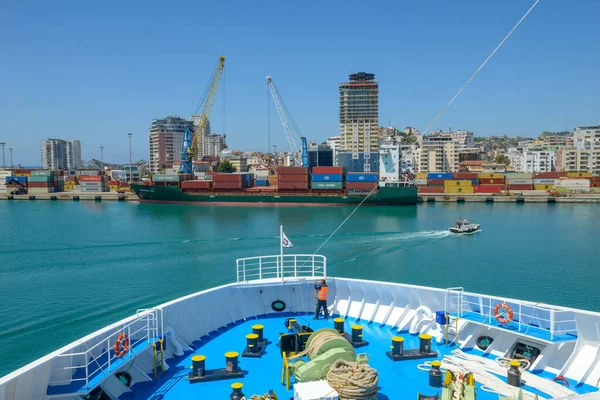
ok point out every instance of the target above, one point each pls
(502, 159)
(408, 140)
(225, 166)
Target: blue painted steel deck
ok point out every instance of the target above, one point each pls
(398, 380)
(513, 326)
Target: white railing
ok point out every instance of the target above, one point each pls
(146, 328)
(281, 267)
(526, 315)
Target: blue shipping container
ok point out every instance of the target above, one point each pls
(473, 181)
(262, 183)
(327, 177)
(362, 177)
(439, 176)
(22, 179)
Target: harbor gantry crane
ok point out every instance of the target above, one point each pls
(288, 125)
(193, 138)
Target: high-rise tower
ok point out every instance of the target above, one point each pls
(359, 117)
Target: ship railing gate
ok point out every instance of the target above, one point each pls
(288, 266)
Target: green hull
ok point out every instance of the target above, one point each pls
(386, 196)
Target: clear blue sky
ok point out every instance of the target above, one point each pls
(94, 71)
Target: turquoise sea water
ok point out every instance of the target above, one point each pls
(68, 269)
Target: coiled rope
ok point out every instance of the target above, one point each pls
(353, 381)
(316, 343)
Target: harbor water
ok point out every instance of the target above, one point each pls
(70, 268)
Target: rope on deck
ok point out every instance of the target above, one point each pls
(353, 381)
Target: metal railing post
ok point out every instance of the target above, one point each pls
(130, 341)
(295, 267)
(313, 265)
(324, 266)
(237, 270)
(551, 324)
(87, 374)
(260, 268)
(108, 351)
(521, 317)
(490, 309)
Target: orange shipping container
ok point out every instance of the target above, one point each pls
(92, 178)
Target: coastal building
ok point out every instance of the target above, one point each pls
(320, 155)
(436, 153)
(557, 141)
(571, 160)
(61, 154)
(359, 119)
(464, 139)
(517, 159)
(587, 138)
(539, 161)
(212, 145)
(334, 143)
(351, 163)
(166, 142)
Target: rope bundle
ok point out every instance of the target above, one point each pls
(316, 344)
(353, 381)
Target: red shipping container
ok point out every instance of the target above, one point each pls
(227, 178)
(227, 185)
(488, 188)
(195, 184)
(360, 185)
(292, 178)
(465, 175)
(327, 170)
(520, 187)
(40, 184)
(549, 175)
(293, 185)
(431, 189)
(113, 182)
(594, 179)
(292, 170)
(436, 181)
(488, 181)
(92, 178)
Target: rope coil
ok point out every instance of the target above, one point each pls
(316, 344)
(353, 381)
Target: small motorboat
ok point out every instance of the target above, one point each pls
(464, 226)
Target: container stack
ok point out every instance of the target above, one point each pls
(43, 181)
(196, 186)
(490, 183)
(113, 185)
(125, 186)
(544, 183)
(519, 181)
(69, 183)
(169, 180)
(327, 179)
(421, 179)
(4, 174)
(361, 182)
(463, 176)
(273, 180)
(292, 179)
(262, 178)
(237, 181)
(463, 186)
(93, 181)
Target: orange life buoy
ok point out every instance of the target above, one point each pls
(504, 317)
(561, 378)
(121, 345)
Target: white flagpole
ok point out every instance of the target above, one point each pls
(281, 249)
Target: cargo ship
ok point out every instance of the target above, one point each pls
(290, 186)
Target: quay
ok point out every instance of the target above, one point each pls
(73, 196)
(489, 198)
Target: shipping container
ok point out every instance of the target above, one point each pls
(490, 181)
(196, 184)
(292, 171)
(37, 178)
(92, 178)
(487, 175)
(545, 181)
(260, 182)
(40, 184)
(542, 187)
(461, 190)
(458, 183)
(327, 185)
(488, 188)
(20, 179)
(573, 183)
(421, 175)
(519, 181)
(5, 172)
(518, 175)
(327, 177)
(227, 178)
(361, 185)
(227, 185)
(431, 189)
(436, 175)
(433, 182)
(161, 178)
(419, 181)
(328, 170)
(465, 175)
(293, 178)
(362, 177)
(91, 172)
(579, 174)
(44, 173)
(549, 175)
(293, 185)
(519, 187)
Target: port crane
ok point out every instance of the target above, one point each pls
(193, 137)
(288, 125)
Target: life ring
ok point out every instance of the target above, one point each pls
(506, 315)
(121, 345)
(562, 379)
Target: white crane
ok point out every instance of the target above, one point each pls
(282, 111)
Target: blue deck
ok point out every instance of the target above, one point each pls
(398, 380)
(513, 326)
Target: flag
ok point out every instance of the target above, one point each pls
(285, 242)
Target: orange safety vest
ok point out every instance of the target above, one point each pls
(322, 295)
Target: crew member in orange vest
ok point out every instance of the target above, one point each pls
(322, 289)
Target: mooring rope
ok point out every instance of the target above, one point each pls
(353, 381)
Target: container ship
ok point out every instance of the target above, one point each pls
(291, 186)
